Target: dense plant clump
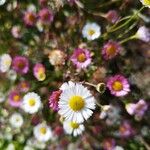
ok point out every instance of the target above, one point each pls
(74, 75)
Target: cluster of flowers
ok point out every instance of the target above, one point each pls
(31, 97)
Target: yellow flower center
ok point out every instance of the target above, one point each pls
(91, 32)
(117, 86)
(76, 103)
(41, 76)
(81, 57)
(43, 130)
(146, 2)
(74, 125)
(16, 98)
(32, 102)
(111, 50)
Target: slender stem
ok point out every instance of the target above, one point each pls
(87, 83)
(128, 39)
(144, 143)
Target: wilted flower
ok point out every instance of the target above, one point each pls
(111, 49)
(53, 100)
(143, 34)
(5, 62)
(73, 128)
(81, 58)
(15, 99)
(146, 3)
(31, 102)
(118, 85)
(39, 72)
(29, 18)
(76, 103)
(42, 132)
(16, 120)
(46, 16)
(20, 64)
(112, 16)
(91, 31)
(57, 57)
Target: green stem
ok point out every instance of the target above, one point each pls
(128, 39)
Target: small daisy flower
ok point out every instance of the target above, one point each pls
(111, 49)
(5, 62)
(15, 99)
(46, 16)
(31, 102)
(16, 120)
(23, 86)
(109, 144)
(53, 100)
(29, 18)
(143, 34)
(76, 103)
(146, 3)
(42, 132)
(20, 64)
(39, 72)
(91, 31)
(118, 85)
(16, 32)
(81, 58)
(73, 128)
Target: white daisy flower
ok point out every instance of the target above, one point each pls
(42, 132)
(31, 102)
(146, 3)
(16, 120)
(5, 62)
(143, 34)
(91, 31)
(73, 128)
(76, 103)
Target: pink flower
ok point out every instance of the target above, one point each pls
(20, 64)
(118, 85)
(53, 100)
(111, 49)
(109, 144)
(15, 99)
(39, 72)
(23, 86)
(81, 58)
(112, 16)
(16, 32)
(137, 109)
(125, 129)
(46, 16)
(29, 18)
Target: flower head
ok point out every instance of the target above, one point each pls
(73, 128)
(53, 100)
(29, 18)
(146, 3)
(109, 144)
(91, 31)
(76, 103)
(81, 58)
(110, 49)
(118, 85)
(20, 64)
(46, 16)
(15, 99)
(16, 120)
(5, 62)
(31, 102)
(16, 32)
(42, 132)
(143, 34)
(39, 72)
(23, 86)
